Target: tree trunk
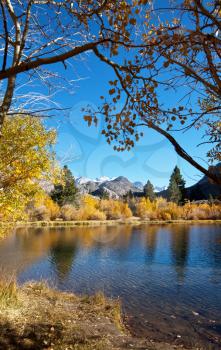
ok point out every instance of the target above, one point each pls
(6, 103)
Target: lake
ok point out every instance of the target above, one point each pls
(168, 277)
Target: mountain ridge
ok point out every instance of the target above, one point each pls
(121, 186)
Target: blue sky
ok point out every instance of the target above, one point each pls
(86, 152)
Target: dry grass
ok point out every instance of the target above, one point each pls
(8, 293)
(46, 319)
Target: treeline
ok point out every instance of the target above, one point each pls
(87, 207)
(66, 203)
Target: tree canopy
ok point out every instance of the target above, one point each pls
(31, 46)
(148, 47)
(25, 160)
(179, 54)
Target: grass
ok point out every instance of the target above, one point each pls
(36, 317)
(8, 293)
(5, 225)
(114, 310)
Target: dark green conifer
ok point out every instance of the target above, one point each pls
(149, 191)
(65, 193)
(176, 189)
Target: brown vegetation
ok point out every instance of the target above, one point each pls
(48, 319)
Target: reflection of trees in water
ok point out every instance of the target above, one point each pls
(126, 242)
(24, 248)
(215, 247)
(5, 231)
(180, 248)
(151, 237)
(214, 253)
(62, 256)
(28, 245)
(122, 240)
(99, 239)
(105, 237)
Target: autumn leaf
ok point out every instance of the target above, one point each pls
(88, 119)
(111, 91)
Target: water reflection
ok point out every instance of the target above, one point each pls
(180, 249)
(151, 243)
(179, 246)
(62, 257)
(162, 273)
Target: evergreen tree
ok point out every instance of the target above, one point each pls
(149, 191)
(174, 192)
(65, 193)
(105, 195)
(176, 189)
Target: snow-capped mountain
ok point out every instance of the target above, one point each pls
(139, 185)
(82, 180)
(104, 179)
(159, 189)
(114, 186)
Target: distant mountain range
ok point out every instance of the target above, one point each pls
(120, 186)
(115, 187)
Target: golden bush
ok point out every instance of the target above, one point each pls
(115, 209)
(52, 207)
(69, 212)
(42, 208)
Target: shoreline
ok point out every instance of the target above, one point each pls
(35, 316)
(94, 223)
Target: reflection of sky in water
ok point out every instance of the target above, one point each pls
(163, 274)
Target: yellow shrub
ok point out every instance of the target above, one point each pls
(96, 215)
(125, 211)
(89, 209)
(89, 201)
(169, 212)
(69, 212)
(159, 209)
(203, 211)
(115, 209)
(52, 207)
(42, 207)
(165, 215)
(144, 208)
(161, 202)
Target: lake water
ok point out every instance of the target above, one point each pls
(168, 277)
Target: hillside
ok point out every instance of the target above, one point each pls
(203, 189)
